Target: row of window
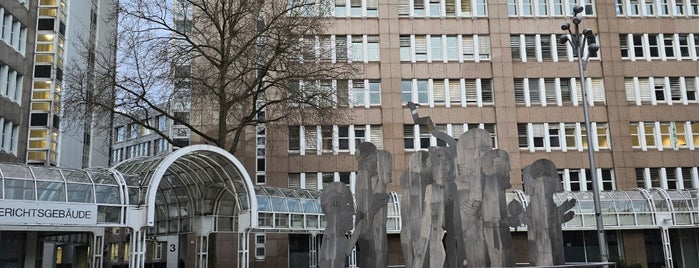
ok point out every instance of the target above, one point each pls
(444, 48)
(442, 8)
(9, 134)
(312, 140)
(664, 135)
(580, 179)
(657, 7)
(659, 46)
(135, 130)
(542, 48)
(515, 8)
(406, 8)
(655, 90)
(142, 149)
(557, 91)
(260, 150)
(11, 83)
(524, 47)
(356, 8)
(561, 136)
(416, 137)
(667, 177)
(547, 8)
(448, 92)
(340, 48)
(347, 93)
(316, 180)
(12, 31)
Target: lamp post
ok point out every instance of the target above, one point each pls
(578, 41)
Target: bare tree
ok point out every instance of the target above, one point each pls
(234, 64)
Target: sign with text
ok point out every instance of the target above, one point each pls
(29, 213)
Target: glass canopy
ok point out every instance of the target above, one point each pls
(198, 180)
(298, 210)
(101, 187)
(635, 208)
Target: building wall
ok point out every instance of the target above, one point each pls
(623, 156)
(15, 109)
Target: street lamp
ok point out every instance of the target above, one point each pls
(578, 41)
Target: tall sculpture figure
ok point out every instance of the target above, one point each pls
(432, 223)
(336, 202)
(338, 206)
(374, 174)
(543, 217)
(495, 169)
(452, 222)
(471, 246)
(413, 182)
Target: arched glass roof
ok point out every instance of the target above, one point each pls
(631, 209)
(188, 182)
(101, 187)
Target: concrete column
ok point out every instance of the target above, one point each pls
(49, 260)
(30, 249)
(138, 248)
(172, 247)
(97, 252)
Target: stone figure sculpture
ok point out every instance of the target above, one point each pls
(452, 222)
(413, 183)
(471, 147)
(338, 206)
(430, 244)
(374, 174)
(543, 217)
(336, 202)
(495, 169)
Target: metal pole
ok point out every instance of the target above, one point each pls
(578, 44)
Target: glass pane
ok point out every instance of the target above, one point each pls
(50, 191)
(81, 193)
(47, 174)
(19, 172)
(76, 176)
(107, 214)
(19, 189)
(107, 194)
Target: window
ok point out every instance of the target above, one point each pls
(343, 138)
(364, 48)
(366, 93)
(259, 246)
(405, 48)
(436, 48)
(11, 83)
(373, 47)
(120, 133)
(294, 138)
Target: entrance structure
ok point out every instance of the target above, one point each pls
(199, 189)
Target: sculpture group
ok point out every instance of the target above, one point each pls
(453, 207)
